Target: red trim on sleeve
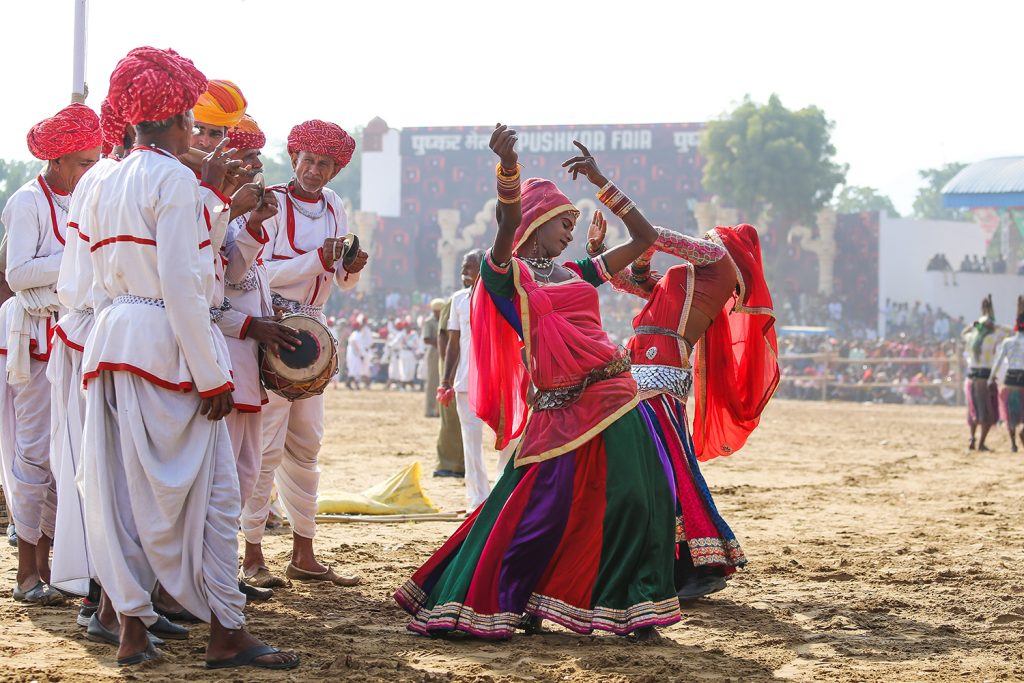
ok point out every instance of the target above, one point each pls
(223, 388)
(262, 237)
(245, 327)
(320, 253)
(83, 236)
(220, 195)
(123, 238)
(246, 408)
(204, 244)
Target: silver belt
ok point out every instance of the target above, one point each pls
(651, 329)
(652, 380)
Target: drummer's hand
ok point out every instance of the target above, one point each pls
(272, 333)
(217, 407)
(358, 263)
(332, 250)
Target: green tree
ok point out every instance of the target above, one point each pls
(767, 156)
(277, 168)
(928, 203)
(857, 198)
(14, 174)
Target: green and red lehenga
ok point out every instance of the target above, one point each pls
(580, 528)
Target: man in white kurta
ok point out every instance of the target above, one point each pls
(35, 219)
(72, 566)
(303, 265)
(456, 376)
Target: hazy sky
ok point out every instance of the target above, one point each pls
(909, 85)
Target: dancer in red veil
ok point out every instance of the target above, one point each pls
(717, 297)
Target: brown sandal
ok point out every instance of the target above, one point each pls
(264, 579)
(293, 572)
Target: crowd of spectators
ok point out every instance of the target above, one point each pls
(913, 331)
(972, 264)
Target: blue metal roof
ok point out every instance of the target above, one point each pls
(992, 182)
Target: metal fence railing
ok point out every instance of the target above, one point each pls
(829, 387)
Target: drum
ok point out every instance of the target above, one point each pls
(308, 369)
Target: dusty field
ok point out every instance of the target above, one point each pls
(879, 550)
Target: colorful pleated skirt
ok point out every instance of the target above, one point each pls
(585, 539)
(700, 529)
(982, 402)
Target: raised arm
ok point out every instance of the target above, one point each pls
(641, 233)
(509, 211)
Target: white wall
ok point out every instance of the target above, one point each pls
(905, 247)
(381, 178)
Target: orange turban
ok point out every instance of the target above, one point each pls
(247, 135)
(72, 129)
(324, 138)
(223, 104)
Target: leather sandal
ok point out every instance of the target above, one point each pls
(264, 579)
(293, 572)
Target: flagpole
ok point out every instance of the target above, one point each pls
(79, 90)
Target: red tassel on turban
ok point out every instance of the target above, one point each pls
(247, 135)
(72, 129)
(541, 201)
(112, 126)
(322, 137)
(152, 85)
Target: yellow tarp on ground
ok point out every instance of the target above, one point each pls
(401, 494)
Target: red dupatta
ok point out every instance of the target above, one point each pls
(737, 368)
(498, 381)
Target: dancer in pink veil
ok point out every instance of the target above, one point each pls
(580, 527)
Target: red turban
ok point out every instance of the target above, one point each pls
(247, 135)
(72, 129)
(223, 104)
(112, 125)
(541, 201)
(322, 137)
(152, 85)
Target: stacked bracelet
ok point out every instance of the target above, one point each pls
(595, 249)
(612, 197)
(640, 271)
(508, 185)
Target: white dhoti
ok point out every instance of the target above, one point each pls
(159, 481)
(477, 482)
(246, 432)
(72, 565)
(354, 363)
(292, 433)
(25, 450)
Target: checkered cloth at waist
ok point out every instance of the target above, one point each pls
(147, 301)
(292, 307)
(132, 299)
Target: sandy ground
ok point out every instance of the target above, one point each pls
(879, 550)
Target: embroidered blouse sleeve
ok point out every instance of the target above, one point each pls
(497, 279)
